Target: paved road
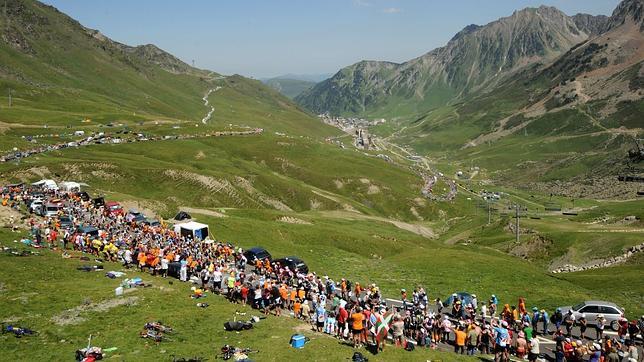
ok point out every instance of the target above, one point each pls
(547, 344)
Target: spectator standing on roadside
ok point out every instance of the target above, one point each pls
(459, 340)
(534, 350)
(473, 340)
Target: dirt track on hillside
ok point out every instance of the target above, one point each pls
(421, 230)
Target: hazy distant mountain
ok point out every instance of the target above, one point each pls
(476, 58)
(288, 86)
(315, 78)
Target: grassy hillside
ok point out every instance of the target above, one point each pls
(61, 74)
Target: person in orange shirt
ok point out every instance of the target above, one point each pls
(522, 309)
(297, 307)
(357, 326)
(301, 294)
(142, 259)
(358, 289)
(284, 295)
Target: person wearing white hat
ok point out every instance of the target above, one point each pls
(600, 322)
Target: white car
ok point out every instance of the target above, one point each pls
(36, 205)
(592, 308)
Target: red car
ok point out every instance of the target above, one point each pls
(113, 208)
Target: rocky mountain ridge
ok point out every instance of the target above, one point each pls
(475, 59)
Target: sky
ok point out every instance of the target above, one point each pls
(265, 38)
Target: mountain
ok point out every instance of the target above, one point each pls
(605, 71)
(475, 59)
(315, 78)
(574, 118)
(57, 70)
(289, 87)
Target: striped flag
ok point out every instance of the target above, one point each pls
(381, 327)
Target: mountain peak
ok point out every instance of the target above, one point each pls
(632, 10)
(478, 57)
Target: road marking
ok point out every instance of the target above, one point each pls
(544, 340)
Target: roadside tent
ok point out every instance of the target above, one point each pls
(182, 215)
(195, 230)
(46, 184)
(70, 186)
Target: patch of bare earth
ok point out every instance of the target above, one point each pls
(10, 217)
(373, 189)
(252, 191)
(293, 220)
(73, 315)
(145, 207)
(194, 210)
(209, 183)
(536, 245)
(315, 204)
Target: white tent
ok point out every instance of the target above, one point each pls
(46, 184)
(196, 230)
(70, 186)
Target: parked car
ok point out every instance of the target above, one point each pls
(98, 202)
(84, 196)
(293, 263)
(612, 313)
(53, 207)
(66, 222)
(151, 222)
(37, 207)
(113, 208)
(135, 216)
(256, 253)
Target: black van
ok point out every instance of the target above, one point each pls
(293, 263)
(257, 253)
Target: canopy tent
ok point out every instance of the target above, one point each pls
(195, 230)
(70, 186)
(46, 184)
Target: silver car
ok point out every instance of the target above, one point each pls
(592, 308)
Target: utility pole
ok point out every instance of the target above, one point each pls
(488, 213)
(517, 223)
(10, 101)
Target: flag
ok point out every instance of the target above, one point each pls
(381, 327)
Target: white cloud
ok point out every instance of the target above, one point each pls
(392, 10)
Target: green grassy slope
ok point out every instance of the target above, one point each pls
(61, 73)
